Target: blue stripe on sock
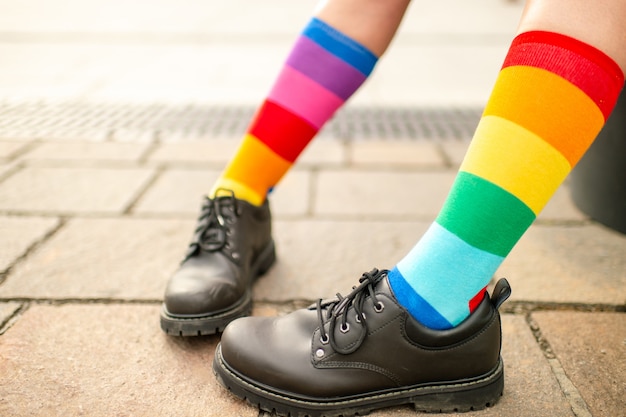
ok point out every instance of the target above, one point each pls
(341, 45)
(416, 305)
(446, 272)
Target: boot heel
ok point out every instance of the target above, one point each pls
(469, 397)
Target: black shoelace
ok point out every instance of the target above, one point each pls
(337, 310)
(212, 232)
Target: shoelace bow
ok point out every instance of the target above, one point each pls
(211, 234)
(338, 310)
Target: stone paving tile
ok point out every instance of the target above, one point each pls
(49, 366)
(397, 154)
(7, 310)
(72, 190)
(17, 234)
(592, 350)
(8, 149)
(180, 192)
(455, 151)
(384, 193)
(176, 191)
(583, 264)
(103, 258)
(214, 151)
(323, 153)
(86, 152)
(319, 258)
(5, 169)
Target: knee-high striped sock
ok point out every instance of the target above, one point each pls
(551, 98)
(322, 71)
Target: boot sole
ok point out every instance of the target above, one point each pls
(216, 322)
(455, 396)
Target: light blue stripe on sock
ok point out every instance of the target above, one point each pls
(447, 272)
(341, 45)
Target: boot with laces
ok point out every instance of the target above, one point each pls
(231, 246)
(362, 352)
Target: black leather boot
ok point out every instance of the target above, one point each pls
(362, 352)
(232, 246)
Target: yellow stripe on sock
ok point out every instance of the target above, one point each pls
(517, 160)
(241, 191)
(549, 106)
(255, 165)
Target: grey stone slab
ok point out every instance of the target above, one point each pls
(7, 310)
(107, 360)
(180, 192)
(86, 152)
(177, 191)
(364, 193)
(9, 148)
(17, 234)
(397, 154)
(455, 151)
(591, 348)
(72, 190)
(583, 264)
(323, 153)
(214, 151)
(5, 168)
(103, 258)
(8, 169)
(318, 258)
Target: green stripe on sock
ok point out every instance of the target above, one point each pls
(484, 215)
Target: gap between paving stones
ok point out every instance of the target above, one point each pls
(36, 244)
(569, 390)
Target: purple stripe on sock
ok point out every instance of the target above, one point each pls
(326, 69)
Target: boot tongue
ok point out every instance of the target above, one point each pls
(501, 292)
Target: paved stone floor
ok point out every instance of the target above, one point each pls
(90, 232)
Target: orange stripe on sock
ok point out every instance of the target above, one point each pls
(256, 166)
(586, 67)
(566, 118)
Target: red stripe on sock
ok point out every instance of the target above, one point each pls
(478, 298)
(283, 132)
(588, 68)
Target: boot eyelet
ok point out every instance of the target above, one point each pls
(235, 255)
(379, 307)
(358, 319)
(345, 327)
(324, 340)
(319, 353)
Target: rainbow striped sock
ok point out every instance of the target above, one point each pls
(324, 68)
(552, 97)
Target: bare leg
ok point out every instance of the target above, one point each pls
(600, 23)
(372, 23)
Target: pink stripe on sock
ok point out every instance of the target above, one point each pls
(304, 97)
